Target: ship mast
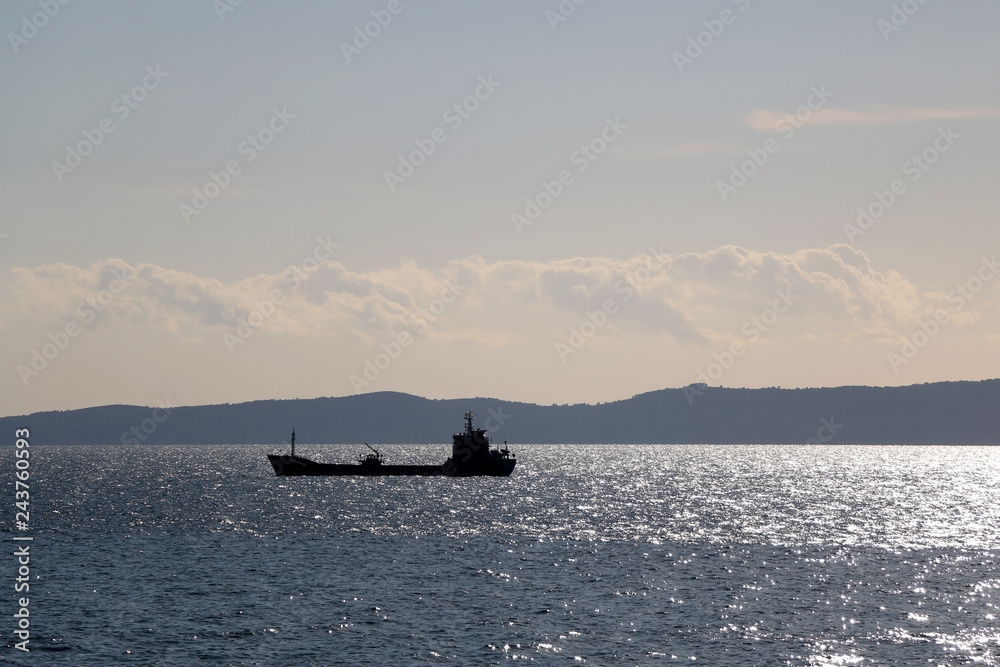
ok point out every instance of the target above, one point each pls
(293, 441)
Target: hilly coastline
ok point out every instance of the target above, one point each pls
(936, 413)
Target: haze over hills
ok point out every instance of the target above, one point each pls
(936, 413)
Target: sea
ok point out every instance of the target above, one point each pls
(587, 554)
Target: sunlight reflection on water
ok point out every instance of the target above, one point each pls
(644, 554)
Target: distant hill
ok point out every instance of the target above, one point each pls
(936, 413)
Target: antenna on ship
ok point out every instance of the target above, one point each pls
(293, 441)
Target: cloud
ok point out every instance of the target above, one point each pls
(767, 120)
(688, 297)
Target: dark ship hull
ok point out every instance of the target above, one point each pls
(297, 466)
(471, 456)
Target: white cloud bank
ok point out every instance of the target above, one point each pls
(688, 296)
(509, 316)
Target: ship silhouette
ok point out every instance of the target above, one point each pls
(471, 456)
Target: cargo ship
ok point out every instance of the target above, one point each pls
(471, 456)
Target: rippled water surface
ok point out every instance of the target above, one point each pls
(632, 555)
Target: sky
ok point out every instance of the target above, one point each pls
(554, 202)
